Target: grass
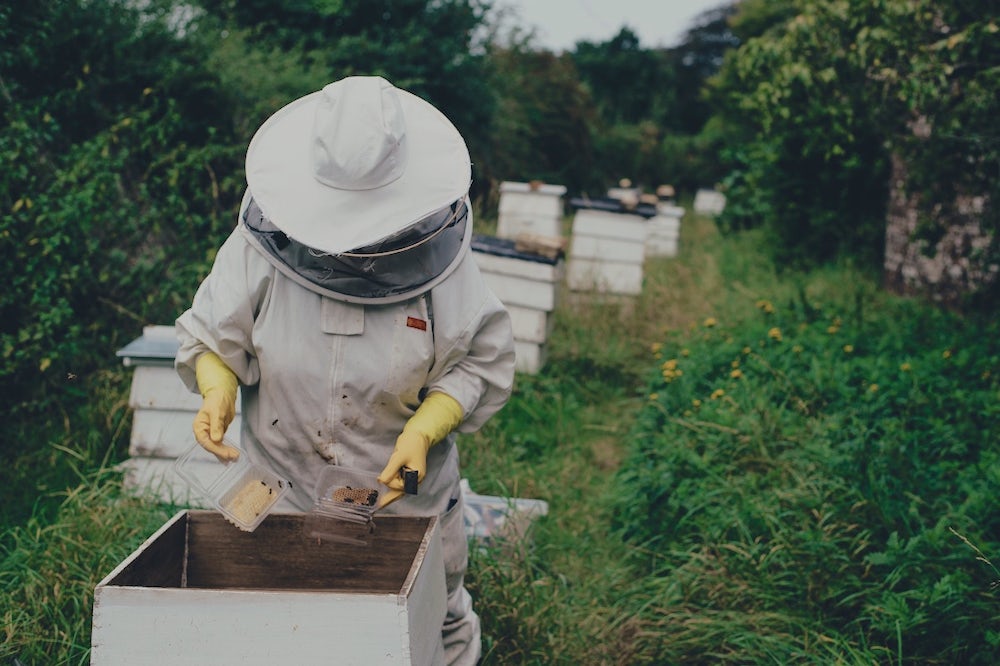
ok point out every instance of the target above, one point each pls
(799, 517)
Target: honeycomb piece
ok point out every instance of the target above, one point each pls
(349, 495)
(253, 499)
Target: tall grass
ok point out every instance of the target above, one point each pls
(828, 506)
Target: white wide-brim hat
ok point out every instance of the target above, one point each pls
(355, 163)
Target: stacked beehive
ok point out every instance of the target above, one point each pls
(608, 246)
(163, 411)
(664, 230)
(709, 202)
(527, 283)
(530, 208)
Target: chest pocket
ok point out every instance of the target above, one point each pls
(343, 318)
(390, 346)
(412, 352)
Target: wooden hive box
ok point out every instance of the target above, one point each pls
(535, 208)
(607, 250)
(664, 231)
(163, 410)
(200, 591)
(709, 202)
(527, 284)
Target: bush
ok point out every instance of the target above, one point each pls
(810, 473)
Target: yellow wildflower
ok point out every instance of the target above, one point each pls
(736, 374)
(710, 322)
(905, 367)
(717, 393)
(696, 402)
(766, 306)
(735, 364)
(747, 350)
(848, 349)
(654, 396)
(832, 329)
(797, 349)
(670, 370)
(685, 353)
(656, 347)
(873, 388)
(775, 334)
(946, 354)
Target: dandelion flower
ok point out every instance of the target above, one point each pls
(832, 329)
(736, 374)
(766, 306)
(656, 347)
(747, 350)
(775, 334)
(717, 393)
(946, 354)
(797, 349)
(735, 364)
(670, 371)
(696, 402)
(685, 353)
(848, 349)
(905, 367)
(709, 322)
(654, 396)
(873, 388)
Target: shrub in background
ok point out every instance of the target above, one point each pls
(810, 472)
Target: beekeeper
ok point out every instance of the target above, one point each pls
(348, 307)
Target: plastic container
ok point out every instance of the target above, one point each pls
(242, 491)
(346, 500)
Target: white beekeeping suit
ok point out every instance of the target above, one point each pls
(347, 294)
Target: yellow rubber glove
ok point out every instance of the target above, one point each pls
(437, 416)
(218, 385)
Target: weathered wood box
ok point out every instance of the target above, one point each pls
(200, 591)
(607, 250)
(533, 208)
(528, 285)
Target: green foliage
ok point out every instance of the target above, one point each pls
(817, 458)
(628, 83)
(823, 92)
(814, 168)
(542, 129)
(428, 47)
(49, 569)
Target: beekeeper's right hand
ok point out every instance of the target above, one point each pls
(218, 385)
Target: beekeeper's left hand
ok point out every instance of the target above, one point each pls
(437, 416)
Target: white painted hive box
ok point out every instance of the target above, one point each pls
(664, 231)
(709, 202)
(163, 410)
(532, 208)
(528, 286)
(606, 253)
(200, 591)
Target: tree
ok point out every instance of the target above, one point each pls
(544, 120)
(628, 83)
(428, 47)
(824, 97)
(699, 57)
